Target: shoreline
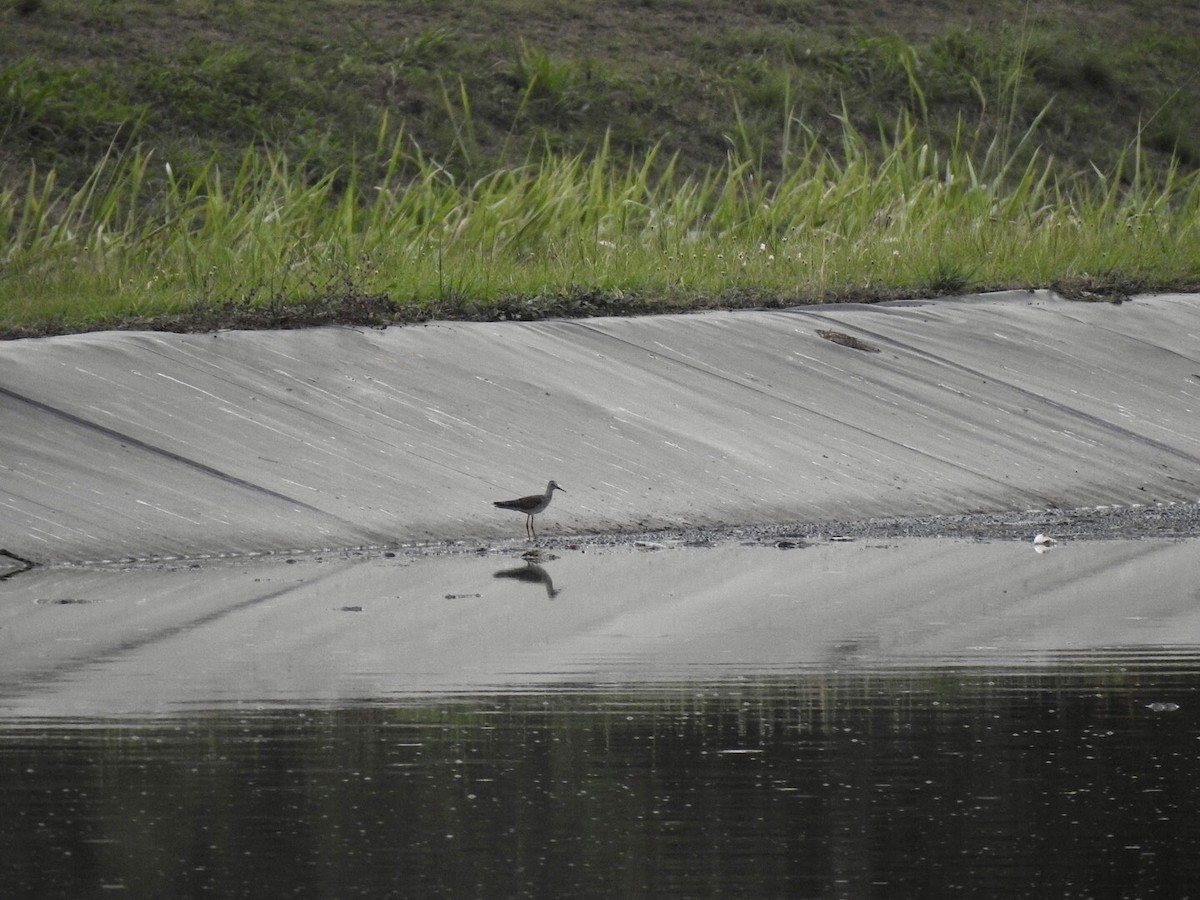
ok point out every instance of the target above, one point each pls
(1167, 521)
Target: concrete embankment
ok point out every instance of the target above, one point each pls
(141, 445)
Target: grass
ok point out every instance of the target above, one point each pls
(762, 160)
(576, 236)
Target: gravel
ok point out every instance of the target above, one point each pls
(1166, 521)
(1170, 521)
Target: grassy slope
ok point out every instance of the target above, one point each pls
(206, 74)
(480, 85)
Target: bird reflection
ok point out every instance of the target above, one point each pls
(532, 573)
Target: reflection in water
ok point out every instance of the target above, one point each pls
(533, 574)
(11, 564)
(889, 720)
(1073, 779)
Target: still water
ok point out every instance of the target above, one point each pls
(1032, 730)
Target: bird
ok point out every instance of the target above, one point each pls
(531, 505)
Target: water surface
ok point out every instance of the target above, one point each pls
(911, 719)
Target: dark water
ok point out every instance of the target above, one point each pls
(1074, 776)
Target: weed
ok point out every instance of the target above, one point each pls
(261, 244)
(947, 277)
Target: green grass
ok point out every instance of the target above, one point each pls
(236, 164)
(575, 235)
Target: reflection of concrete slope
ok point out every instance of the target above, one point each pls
(139, 444)
(120, 615)
(13, 564)
(270, 633)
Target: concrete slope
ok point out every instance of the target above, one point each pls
(145, 444)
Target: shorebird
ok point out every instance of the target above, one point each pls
(531, 505)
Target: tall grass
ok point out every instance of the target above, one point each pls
(137, 241)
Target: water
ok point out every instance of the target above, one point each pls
(829, 722)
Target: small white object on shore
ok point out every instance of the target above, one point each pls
(1042, 543)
